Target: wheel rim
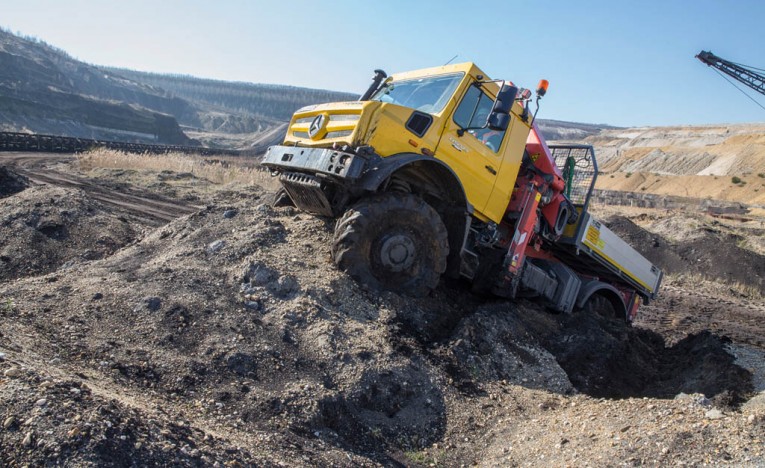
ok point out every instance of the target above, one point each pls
(397, 252)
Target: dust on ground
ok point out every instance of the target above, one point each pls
(227, 336)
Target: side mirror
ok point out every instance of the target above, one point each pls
(499, 118)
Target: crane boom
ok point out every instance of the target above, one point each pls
(745, 75)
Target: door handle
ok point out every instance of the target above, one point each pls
(491, 169)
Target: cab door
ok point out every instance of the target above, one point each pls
(473, 154)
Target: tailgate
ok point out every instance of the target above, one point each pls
(607, 249)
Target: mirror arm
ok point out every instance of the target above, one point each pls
(535, 111)
(526, 112)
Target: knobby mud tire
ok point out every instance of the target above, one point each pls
(361, 234)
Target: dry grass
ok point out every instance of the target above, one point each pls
(217, 172)
(699, 282)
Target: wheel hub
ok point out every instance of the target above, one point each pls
(397, 253)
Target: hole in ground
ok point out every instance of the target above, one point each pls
(606, 358)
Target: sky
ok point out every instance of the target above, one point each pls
(623, 63)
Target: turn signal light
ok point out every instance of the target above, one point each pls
(542, 87)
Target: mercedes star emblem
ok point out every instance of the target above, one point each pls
(316, 125)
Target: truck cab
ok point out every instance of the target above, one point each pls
(425, 113)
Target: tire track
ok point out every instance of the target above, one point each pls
(679, 312)
(151, 207)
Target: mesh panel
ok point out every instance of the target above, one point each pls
(579, 159)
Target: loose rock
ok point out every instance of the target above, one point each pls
(215, 246)
(714, 414)
(27, 442)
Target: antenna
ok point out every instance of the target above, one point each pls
(450, 60)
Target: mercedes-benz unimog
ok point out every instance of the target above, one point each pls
(444, 171)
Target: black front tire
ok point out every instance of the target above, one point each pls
(393, 242)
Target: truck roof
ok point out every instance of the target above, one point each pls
(469, 68)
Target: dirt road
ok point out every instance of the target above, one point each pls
(51, 169)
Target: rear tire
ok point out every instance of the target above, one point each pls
(601, 305)
(394, 242)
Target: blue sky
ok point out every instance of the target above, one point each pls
(617, 62)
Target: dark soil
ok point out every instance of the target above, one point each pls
(228, 336)
(714, 255)
(46, 228)
(11, 183)
(605, 358)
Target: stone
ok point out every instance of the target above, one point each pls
(8, 422)
(701, 400)
(41, 402)
(97, 296)
(12, 373)
(228, 214)
(27, 442)
(215, 246)
(252, 305)
(757, 403)
(258, 274)
(714, 413)
(285, 285)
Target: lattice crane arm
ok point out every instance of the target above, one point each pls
(745, 75)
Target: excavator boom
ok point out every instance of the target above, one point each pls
(744, 74)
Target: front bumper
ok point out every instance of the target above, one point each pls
(316, 161)
(316, 179)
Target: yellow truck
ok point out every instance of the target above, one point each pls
(443, 171)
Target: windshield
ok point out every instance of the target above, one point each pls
(423, 94)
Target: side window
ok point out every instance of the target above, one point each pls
(473, 112)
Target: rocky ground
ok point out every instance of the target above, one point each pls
(225, 336)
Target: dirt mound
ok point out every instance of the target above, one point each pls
(11, 183)
(227, 335)
(711, 253)
(45, 228)
(92, 430)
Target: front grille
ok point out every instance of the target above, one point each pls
(337, 126)
(338, 134)
(344, 117)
